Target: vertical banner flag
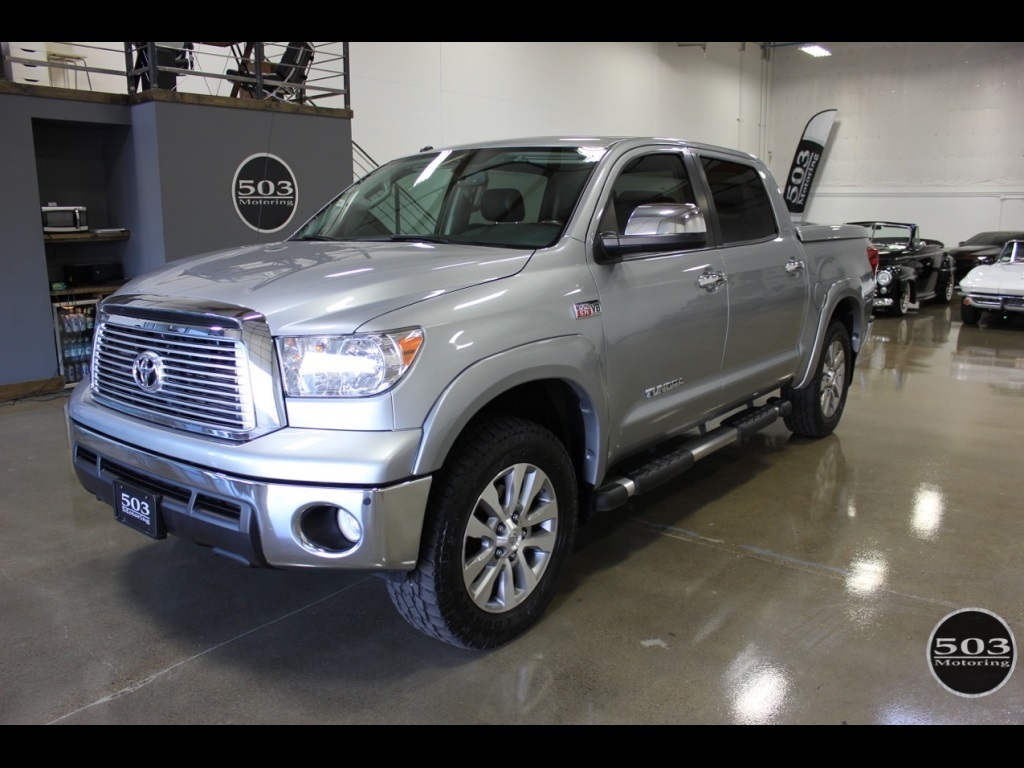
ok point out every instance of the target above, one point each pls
(806, 162)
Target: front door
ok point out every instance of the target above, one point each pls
(664, 333)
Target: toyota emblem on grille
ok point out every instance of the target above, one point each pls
(148, 372)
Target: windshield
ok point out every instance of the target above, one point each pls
(506, 197)
(890, 234)
(1013, 252)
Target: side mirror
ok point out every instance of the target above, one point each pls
(655, 228)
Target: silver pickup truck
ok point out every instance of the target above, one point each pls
(470, 350)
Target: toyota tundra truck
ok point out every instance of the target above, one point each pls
(443, 374)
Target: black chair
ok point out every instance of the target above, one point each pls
(168, 56)
(286, 81)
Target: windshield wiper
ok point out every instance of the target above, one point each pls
(418, 239)
(318, 238)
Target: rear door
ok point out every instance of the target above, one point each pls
(767, 279)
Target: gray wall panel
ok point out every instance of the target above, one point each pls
(163, 170)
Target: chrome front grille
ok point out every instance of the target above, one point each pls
(190, 371)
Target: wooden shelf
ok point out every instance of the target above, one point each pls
(92, 236)
(85, 290)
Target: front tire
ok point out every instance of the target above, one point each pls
(902, 305)
(970, 315)
(818, 407)
(500, 528)
(947, 289)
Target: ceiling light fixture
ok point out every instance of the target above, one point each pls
(815, 50)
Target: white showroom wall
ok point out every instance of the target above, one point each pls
(929, 132)
(926, 132)
(407, 95)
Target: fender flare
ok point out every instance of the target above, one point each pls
(906, 274)
(573, 360)
(837, 295)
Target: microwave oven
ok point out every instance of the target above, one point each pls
(65, 218)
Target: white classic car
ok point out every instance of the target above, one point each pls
(997, 287)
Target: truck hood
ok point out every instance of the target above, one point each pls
(1002, 279)
(306, 287)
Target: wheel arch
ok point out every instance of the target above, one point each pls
(556, 384)
(910, 288)
(848, 310)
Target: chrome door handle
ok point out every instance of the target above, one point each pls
(711, 281)
(795, 267)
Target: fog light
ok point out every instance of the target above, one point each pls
(329, 528)
(350, 526)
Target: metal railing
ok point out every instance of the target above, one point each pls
(245, 70)
(362, 163)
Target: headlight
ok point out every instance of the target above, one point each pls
(884, 277)
(359, 365)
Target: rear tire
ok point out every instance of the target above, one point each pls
(500, 528)
(818, 407)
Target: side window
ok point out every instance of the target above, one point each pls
(655, 178)
(741, 201)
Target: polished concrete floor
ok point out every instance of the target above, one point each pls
(781, 581)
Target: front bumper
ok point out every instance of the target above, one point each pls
(264, 519)
(994, 302)
(888, 295)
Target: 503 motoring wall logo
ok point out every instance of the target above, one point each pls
(265, 193)
(972, 653)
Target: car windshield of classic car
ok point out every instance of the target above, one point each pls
(884, 233)
(1012, 253)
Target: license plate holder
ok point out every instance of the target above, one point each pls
(138, 509)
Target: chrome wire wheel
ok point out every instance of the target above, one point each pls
(510, 538)
(904, 301)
